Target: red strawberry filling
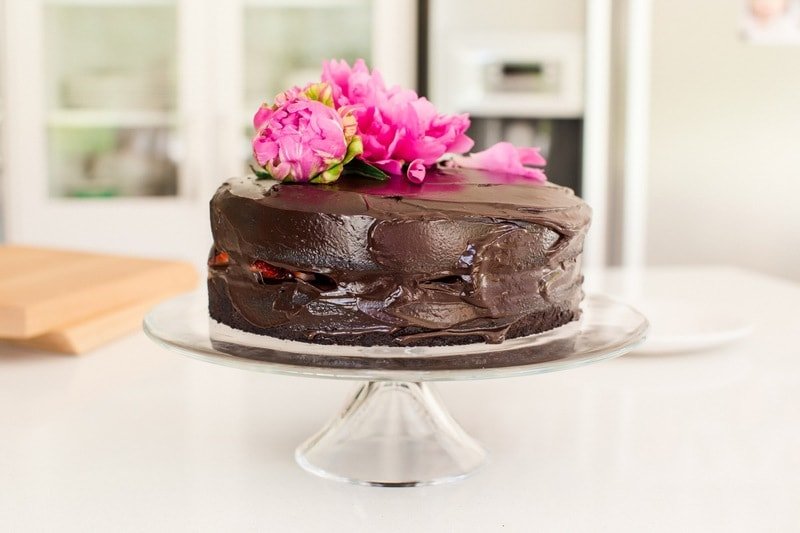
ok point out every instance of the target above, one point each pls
(265, 271)
(221, 259)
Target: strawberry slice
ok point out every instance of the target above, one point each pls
(267, 271)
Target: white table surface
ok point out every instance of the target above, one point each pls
(135, 438)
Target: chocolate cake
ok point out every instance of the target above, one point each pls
(468, 256)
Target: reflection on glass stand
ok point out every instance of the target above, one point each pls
(394, 431)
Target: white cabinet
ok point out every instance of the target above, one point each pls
(121, 117)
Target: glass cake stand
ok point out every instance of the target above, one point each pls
(395, 431)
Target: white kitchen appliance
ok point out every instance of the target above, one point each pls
(521, 87)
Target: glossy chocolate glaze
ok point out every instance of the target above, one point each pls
(469, 255)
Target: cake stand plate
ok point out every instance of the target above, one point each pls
(395, 431)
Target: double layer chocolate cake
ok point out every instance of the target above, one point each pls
(467, 256)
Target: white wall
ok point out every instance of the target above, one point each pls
(725, 142)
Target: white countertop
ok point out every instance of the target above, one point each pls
(135, 438)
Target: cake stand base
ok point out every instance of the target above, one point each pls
(392, 434)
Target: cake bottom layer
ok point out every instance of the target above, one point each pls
(222, 310)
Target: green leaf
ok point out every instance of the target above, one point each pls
(321, 92)
(355, 148)
(359, 167)
(328, 176)
(260, 173)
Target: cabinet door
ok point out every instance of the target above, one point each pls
(101, 148)
(2, 116)
(126, 114)
(282, 43)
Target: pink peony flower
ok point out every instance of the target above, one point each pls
(504, 157)
(301, 137)
(396, 126)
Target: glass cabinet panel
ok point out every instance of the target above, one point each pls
(110, 85)
(286, 42)
(2, 128)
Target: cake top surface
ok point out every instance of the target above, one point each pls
(447, 191)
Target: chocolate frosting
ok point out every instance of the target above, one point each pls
(468, 253)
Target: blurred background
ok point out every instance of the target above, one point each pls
(677, 120)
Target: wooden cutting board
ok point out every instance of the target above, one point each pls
(44, 290)
(88, 334)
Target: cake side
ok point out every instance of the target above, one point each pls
(469, 256)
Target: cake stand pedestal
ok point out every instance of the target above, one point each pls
(394, 431)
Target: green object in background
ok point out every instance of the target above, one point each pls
(73, 152)
(91, 193)
(80, 141)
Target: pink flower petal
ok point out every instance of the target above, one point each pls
(390, 166)
(461, 144)
(504, 157)
(261, 116)
(264, 150)
(416, 171)
(531, 156)
(280, 171)
(394, 123)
